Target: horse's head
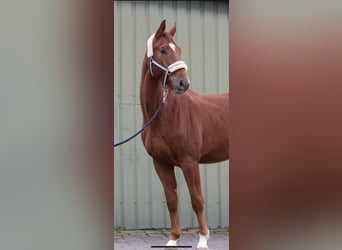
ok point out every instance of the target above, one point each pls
(165, 58)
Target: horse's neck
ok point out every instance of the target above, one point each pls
(151, 93)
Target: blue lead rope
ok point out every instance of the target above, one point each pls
(166, 91)
(146, 125)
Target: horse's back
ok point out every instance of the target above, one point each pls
(220, 100)
(212, 115)
(211, 106)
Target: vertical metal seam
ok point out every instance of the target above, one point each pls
(219, 189)
(135, 118)
(122, 174)
(203, 44)
(188, 10)
(204, 166)
(150, 170)
(217, 31)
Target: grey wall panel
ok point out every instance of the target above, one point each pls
(202, 33)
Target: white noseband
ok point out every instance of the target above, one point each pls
(177, 65)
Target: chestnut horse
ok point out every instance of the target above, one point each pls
(191, 128)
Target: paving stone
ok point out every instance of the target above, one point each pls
(144, 239)
(156, 233)
(136, 233)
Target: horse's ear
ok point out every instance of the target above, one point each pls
(161, 29)
(173, 30)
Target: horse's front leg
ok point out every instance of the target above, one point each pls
(167, 177)
(191, 173)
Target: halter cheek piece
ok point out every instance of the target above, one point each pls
(169, 70)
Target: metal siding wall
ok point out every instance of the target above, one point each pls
(202, 33)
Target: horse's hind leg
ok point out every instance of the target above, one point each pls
(167, 177)
(192, 176)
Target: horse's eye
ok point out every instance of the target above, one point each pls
(163, 51)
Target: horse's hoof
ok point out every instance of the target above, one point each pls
(171, 243)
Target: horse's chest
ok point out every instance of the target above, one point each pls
(160, 147)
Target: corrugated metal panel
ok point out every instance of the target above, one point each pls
(202, 33)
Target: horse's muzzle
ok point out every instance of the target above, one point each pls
(181, 85)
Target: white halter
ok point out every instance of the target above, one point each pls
(150, 46)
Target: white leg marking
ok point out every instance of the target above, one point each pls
(171, 243)
(202, 244)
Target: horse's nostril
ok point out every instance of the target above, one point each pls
(181, 83)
